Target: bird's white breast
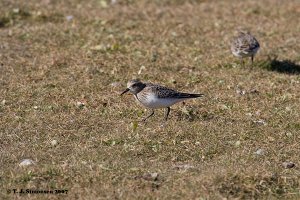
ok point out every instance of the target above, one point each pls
(152, 101)
(243, 53)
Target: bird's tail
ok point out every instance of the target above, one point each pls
(187, 95)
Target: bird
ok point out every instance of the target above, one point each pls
(245, 45)
(153, 96)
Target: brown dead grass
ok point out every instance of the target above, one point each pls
(206, 150)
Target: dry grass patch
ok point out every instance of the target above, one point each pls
(64, 63)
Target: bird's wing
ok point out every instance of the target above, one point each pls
(248, 43)
(161, 91)
(186, 95)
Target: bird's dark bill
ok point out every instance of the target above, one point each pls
(127, 89)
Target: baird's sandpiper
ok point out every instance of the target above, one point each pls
(155, 96)
(245, 45)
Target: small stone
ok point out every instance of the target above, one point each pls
(221, 82)
(288, 165)
(26, 162)
(134, 169)
(174, 34)
(103, 4)
(185, 142)
(16, 10)
(115, 84)
(240, 92)
(260, 152)
(237, 143)
(69, 17)
(83, 162)
(98, 47)
(288, 108)
(249, 114)
(196, 42)
(260, 122)
(3, 102)
(80, 104)
(113, 2)
(289, 134)
(271, 139)
(224, 107)
(154, 175)
(54, 142)
(35, 107)
(148, 176)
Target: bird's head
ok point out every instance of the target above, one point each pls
(134, 86)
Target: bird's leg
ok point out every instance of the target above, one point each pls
(242, 61)
(252, 58)
(148, 116)
(167, 113)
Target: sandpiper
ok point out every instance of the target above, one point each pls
(245, 45)
(155, 96)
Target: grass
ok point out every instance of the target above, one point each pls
(64, 63)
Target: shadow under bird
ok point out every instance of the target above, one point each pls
(245, 45)
(155, 96)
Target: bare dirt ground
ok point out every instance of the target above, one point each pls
(63, 65)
